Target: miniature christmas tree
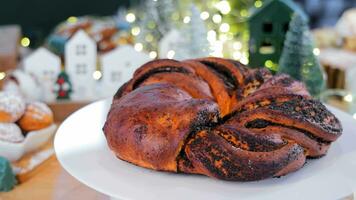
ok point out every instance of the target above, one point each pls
(63, 86)
(298, 59)
(165, 9)
(194, 38)
(291, 60)
(149, 33)
(313, 74)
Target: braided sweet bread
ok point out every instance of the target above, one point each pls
(215, 117)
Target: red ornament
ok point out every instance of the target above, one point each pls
(62, 93)
(60, 81)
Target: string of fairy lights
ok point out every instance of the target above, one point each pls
(225, 38)
(222, 18)
(226, 31)
(226, 22)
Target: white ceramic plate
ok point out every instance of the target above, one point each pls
(81, 149)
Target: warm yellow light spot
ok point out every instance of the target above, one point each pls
(135, 30)
(348, 98)
(230, 36)
(244, 13)
(216, 48)
(72, 19)
(2, 75)
(97, 75)
(175, 16)
(269, 63)
(244, 59)
(186, 19)
(25, 42)
(153, 54)
(266, 50)
(204, 15)
(237, 55)
(224, 27)
(316, 51)
(171, 54)
(217, 18)
(223, 37)
(223, 6)
(138, 47)
(258, 4)
(151, 25)
(149, 38)
(211, 36)
(237, 45)
(130, 17)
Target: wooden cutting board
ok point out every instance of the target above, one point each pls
(51, 181)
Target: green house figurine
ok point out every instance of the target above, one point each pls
(268, 26)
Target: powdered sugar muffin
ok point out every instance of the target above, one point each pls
(37, 116)
(12, 107)
(10, 132)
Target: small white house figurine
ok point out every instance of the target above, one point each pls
(44, 66)
(118, 67)
(80, 64)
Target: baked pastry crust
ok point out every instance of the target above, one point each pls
(37, 116)
(216, 117)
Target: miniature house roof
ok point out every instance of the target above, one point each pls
(82, 37)
(122, 54)
(288, 4)
(42, 58)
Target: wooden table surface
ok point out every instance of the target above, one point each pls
(51, 181)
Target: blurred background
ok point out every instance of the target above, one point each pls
(38, 17)
(69, 53)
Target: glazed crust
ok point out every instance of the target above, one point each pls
(134, 138)
(306, 115)
(216, 117)
(151, 68)
(213, 156)
(233, 75)
(285, 81)
(217, 85)
(193, 85)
